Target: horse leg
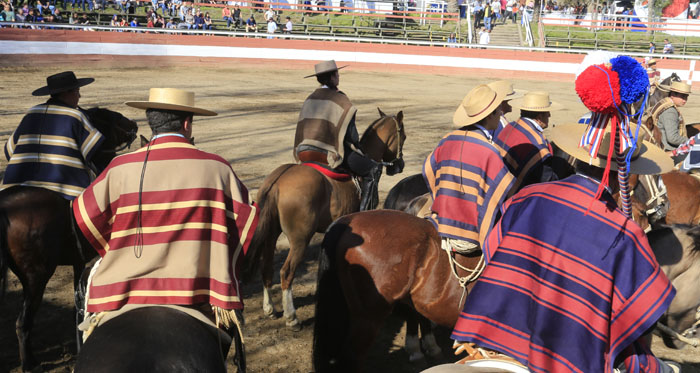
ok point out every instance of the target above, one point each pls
(428, 341)
(33, 286)
(268, 256)
(412, 345)
(297, 246)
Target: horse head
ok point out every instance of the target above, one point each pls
(677, 250)
(383, 141)
(118, 130)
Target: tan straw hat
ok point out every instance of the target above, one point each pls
(477, 105)
(170, 99)
(651, 62)
(537, 101)
(647, 159)
(506, 87)
(680, 87)
(325, 67)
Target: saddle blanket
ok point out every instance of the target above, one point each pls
(328, 171)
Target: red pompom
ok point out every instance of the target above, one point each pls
(593, 87)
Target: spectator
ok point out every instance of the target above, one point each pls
(199, 21)
(250, 24)
(236, 15)
(134, 22)
(175, 7)
(171, 24)
(271, 28)
(668, 47)
(288, 26)
(115, 21)
(484, 36)
(122, 22)
(652, 47)
(207, 22)
(226, 16)
(496, 9)
(488, 13)
(160, 22)
(57, 16)
(149, 24)
(478, 14)
(269, 15)
(452, 40)
(189, 19)
(8, 14)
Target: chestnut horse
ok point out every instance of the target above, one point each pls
(300, 201)
(36, 232)
(373, 261)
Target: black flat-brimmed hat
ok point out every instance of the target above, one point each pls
(61, 82)
(325, 67)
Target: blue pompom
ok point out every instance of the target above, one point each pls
(634, 80)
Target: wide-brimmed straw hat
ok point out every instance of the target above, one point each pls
(477, 105)
(680, 87)
(61, 82)
(651, 62)
(506, 87)
(325, 67)
(536, 101)
(171, 99)
(648, 159)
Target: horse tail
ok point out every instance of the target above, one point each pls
(332, 314)
(268, 229)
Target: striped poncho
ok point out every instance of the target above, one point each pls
(468, 182)
(196, 222)
(50, 149)
(524, 150)
(565, 290)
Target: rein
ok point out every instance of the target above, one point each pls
(131, 135)
(397, 137)
(695, 342)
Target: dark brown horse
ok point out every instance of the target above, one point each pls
(375, 260)
(300, 201)
(36, 232)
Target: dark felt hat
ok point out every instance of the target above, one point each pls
(61, 82)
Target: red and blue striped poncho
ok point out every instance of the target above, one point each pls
(524, 149)
(50, 149)
(565, 290)
(468, 182)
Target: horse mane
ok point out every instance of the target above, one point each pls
(692, 231)
(371, 126)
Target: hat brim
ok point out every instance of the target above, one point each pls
(677, 91)
(165, 106)
(553, 106)
(45, 90)
(461, 118)
(327, 71)
(651, 160)
(517, 94)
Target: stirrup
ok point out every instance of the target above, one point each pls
(479, 354)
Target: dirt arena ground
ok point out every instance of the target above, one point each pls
(258, 108)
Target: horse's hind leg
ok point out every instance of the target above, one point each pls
(297, 246)
(428, 341)
(267, 272)
(33, 286)
(412, 344)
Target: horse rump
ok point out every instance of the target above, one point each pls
(153, 339)
(332, 319)
(404, 191)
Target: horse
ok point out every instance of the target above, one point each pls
(373, 261)
(157, 339)
(658, 94)
(299, 200)
(677, 249)
(401, 194)
(36, 232)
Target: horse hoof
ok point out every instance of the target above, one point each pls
(416, 356)
(295, 325)
(272, 315)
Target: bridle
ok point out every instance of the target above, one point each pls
(396, 137)
(130, 135)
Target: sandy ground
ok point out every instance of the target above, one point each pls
(258, 109)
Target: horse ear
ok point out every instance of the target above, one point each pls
(144, 141)
(694, 233)
(399, 117)
(381, 113)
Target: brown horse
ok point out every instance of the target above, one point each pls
(36, 232)
(371, 262)
(300, 201)
(375, 260)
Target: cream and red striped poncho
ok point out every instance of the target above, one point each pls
(196, 223)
